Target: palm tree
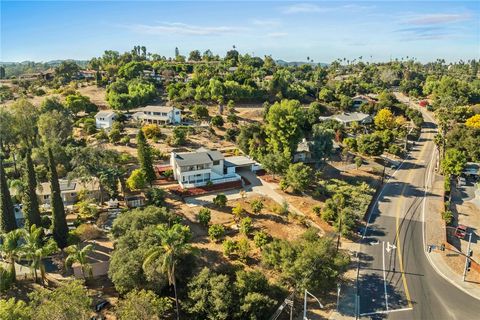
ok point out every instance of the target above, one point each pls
(11, 249)
(80, 255)
(36, 249)
(173, 244)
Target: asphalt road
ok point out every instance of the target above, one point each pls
(395, 279)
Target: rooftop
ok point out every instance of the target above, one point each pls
(154, 109)
(237, 161)
(199, 156)
(348, 117)
(105, 114)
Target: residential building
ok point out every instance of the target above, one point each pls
(158, 115)
(358, 100)
(201, 167)
(304, 153)
(348, 118)
(69, 191)
(104, 119)
(87, 74)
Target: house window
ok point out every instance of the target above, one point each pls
(177, 112)
(72, 194)
(46, 196)
(216, 162)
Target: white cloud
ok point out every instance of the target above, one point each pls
(185, 29)
(303, 8)
(277, 34)
(437, 18)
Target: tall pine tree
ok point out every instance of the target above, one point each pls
(8, 222)
(30, 201)
(145, 157)
(60, 228)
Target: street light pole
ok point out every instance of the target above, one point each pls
(467, 256)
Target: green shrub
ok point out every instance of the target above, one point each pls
(257, 205)
(216, 232)
(317, 210)
(447, 216)
(229, 247)
(204, 216)
(261, 238)
(246, 226)
(220, 200)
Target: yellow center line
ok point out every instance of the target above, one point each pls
(399, 251)
(399, 248)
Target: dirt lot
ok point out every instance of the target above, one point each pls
(211, 253)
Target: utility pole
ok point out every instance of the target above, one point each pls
(305, 303)
(467, 256)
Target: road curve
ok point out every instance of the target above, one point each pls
(396, 280)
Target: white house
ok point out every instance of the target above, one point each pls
(348, 118)
(69, 191)
(158, 115)
(203, 166)
(104, 119)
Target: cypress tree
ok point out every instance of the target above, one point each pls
(8, 222)
(30, 203)
(60, 228)
(145, 157)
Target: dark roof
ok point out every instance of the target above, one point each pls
(199, 156)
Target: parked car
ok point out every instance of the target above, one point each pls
(461, 181)
(101, 305)
(461, 231)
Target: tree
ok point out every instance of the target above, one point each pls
(194, 56)
(370, 144)
(145, 157)
(220, 200)
(66, 70)
(12, 309)
(30, 204)
(237, 212)
(54, 128)
(229, 247)
(200, 112)
(8, 221)
(204, 216)
(131, 70)
(51, 104)
(275, 163)
(210, 296)
(473, 122)
(454, 162)
(261, 238)
(350, 143)
(174, 244)
(152, 131)
(298, 176)
(60, 228)
(156, 196)
(24, 121)
(143, 305)
(283, 127)
(69, 301)
(358, 162)
(243, 249)
(322, 142)
(217, 121)
(11, 249)
(256, 306)
(77, 103)
(137, 180)
(35, 249)
(77, 254)
(384, 119)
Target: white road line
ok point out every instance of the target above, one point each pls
(385, 311)
(384, 275)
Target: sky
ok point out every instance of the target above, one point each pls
(292, 31)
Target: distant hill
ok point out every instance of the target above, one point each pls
(299, 63)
